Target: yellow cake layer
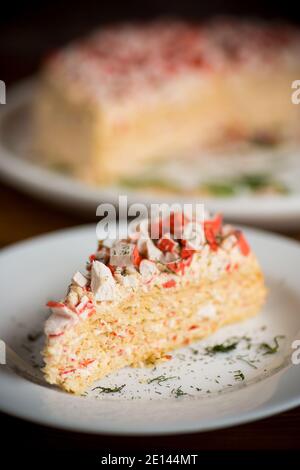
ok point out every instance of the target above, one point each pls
(143, 328)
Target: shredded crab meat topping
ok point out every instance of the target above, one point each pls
(118, 268)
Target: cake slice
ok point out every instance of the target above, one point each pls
(133, 94)
(140, 298)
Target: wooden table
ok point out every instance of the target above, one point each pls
(22, 217)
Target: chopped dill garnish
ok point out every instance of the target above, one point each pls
(227, 346)
(194, 351)
(248, 341)
(253, 182)
(265, 140)
(269, 349)
(219, 188)
(146, 182)
(160, 379)
(27, 348)
(109, 390)
(178, 392)
(238, 375)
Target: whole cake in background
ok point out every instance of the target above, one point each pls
(142, 297)
(135, 93)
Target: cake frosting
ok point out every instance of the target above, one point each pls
(129, 96)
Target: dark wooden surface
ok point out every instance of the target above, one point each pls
(28, 32)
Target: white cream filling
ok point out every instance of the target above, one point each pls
(103, 285)
(207, 311)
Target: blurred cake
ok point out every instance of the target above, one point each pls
(135, 93)
(142, 297)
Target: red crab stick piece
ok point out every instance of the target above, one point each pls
(52, 304)
(177, 222)
(82, 364)
(170, 283)
(214, 225)
(180, 266)
(187, 253)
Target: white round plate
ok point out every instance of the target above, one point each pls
(16, 167)
(198, 391)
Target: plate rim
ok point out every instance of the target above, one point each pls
(226, 423)
(69, 192)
